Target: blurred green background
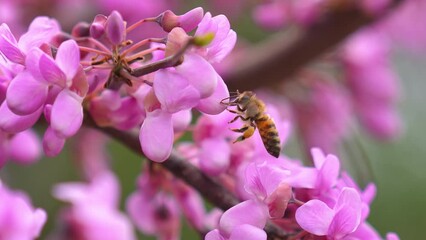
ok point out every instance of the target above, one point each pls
(397, 167)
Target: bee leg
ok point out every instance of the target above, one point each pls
(238, 116)
(247, 132)
(240, 130)
(241, 109)
(233, 111)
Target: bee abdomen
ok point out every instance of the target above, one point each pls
(269, 134)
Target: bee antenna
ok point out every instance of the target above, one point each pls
(222, 101)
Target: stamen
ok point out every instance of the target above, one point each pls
(141, 43)
(95, 42)
(143, 53)
(136, 24)
(92, 50)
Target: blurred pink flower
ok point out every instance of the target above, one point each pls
(18, 219)
(323, 117)
(94, 213)
(372, 82)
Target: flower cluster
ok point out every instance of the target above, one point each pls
(46, 75)
(126, 76)
(306, 201)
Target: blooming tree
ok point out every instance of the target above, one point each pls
(145, 76)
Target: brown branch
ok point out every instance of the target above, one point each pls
(208, 188)
(279, 57)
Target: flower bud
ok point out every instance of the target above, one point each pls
(115, 28)
(188, 21)
(97, 28)
(81, 29)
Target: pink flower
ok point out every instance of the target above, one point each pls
(18, 219)
(224, 37)
(278, 13)
(337, 222)
(153, 211)
(267, 183)
(324, 117)
(23, 147)
(245, 219)
(41, 30)
(93, 213)
(372, 82)
(188, 21)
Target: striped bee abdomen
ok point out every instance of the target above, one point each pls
(269, 134)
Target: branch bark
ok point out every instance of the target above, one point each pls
(279, 57)
(207, 187)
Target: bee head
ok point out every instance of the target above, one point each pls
(244, 98)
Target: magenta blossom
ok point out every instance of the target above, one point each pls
(335, 223)
(18, 219)
(243, 221)
(192, 84)
(94, 213)
(372, 82)
(23, 147)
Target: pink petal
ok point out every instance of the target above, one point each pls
(115, 28)
(199, 73)
(12, 123)
(7, 34)
(39, 218)
(223, 49)
(32, 63)
(67, 114)
(214, 162)
(248, 212)
(26, 95)
(214, 235)
(223, 27)
(206, 25)
(328, 174)
(212, 105)
(247, 232)
(141, 211)
(192, 206)
(278, 200)
(181, 120)
(315, 217)
(318, 157)
(25, 147)
(68, 58)
(348, 198)
(51, 72)
(344, 222)
(369, 193)
(97, 28)
(347, 213)
(191, 19)
(174, 92)
(392, 236)
(41, 30)
(11, 50)
(156, 135)
(79, 83)
(103, 189)
(52, 144)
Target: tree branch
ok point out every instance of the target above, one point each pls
(282, 55)
(207, 187)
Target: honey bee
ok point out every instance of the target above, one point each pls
(251, 110)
